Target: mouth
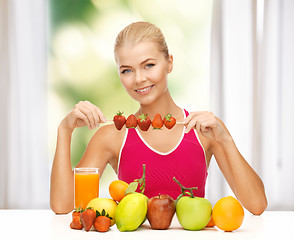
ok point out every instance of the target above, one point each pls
(144, 90)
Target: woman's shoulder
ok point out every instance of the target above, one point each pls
(109, 136)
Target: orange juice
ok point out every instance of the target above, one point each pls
(86, 186)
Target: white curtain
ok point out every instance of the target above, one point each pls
(252, 91)
(24, 169)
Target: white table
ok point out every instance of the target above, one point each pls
(44, 224)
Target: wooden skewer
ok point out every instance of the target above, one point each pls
(111, 121)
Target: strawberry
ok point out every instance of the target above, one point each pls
(76, 223)
(88, 217)
(169, 121)
(131, 121)
(76, 212)
(102, 223)
(157, 122)
(144, 122)
(119, 120)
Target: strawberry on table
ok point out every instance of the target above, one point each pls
(144, 122)
(88, 217)
(76, 212)
(157, 122)
(76, 223)
(169, 121)
(119, 120)
(102, 223)
(131, 121)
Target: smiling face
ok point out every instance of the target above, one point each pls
(143, 70)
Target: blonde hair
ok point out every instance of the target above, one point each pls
(140, 31)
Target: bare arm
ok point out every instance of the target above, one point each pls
(243, 180)
(61, 187)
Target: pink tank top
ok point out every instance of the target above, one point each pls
(186, 162)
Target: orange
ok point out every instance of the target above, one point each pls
(117, 190)
(210, 223)
(228, 214)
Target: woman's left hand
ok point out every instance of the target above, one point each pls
(207, 124)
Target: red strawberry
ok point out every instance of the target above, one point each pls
(119, 120)
(144, 122)
(102, 223)
(157, 122)
(131, 121)
(88, 217)
(76, 223)
(169, 121)
(76, 212)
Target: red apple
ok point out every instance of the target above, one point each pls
(160, 211)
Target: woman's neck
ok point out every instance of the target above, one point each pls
(163, 106)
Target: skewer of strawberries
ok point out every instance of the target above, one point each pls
(144, 121)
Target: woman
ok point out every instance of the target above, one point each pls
(143, 63)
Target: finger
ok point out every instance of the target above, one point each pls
(212, 123)
(198, 126)
(79, 115)
(203, 127)
(88, 110)
(189, 118)
(97, 113)
(100, 115)
(96, 117)
(197, 114)
(191, 124)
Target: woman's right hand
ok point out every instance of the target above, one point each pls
(84, 113)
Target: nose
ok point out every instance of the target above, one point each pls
(140, 77)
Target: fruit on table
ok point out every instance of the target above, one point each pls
(76, 223)
(102, 221)
(210, 223)
(108, 204)
(169, 121)
(87, 218)
(228, 214)
(144, 122)
(117, 189)
(157, 122)
(119, 120)
(131, 212)
(193, 212)
(160, 211)
(76, 212)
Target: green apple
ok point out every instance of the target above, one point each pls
(193, 212)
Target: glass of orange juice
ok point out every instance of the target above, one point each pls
(86, 184)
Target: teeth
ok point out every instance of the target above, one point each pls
(144, 89)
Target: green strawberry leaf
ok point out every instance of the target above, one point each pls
(103, 212)
(97, 214)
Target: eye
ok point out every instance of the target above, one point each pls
(150, 65)
(126, 71)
